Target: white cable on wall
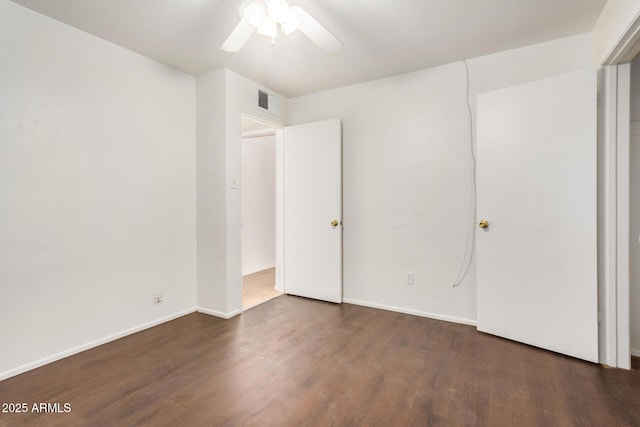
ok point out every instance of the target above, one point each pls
(473, 191)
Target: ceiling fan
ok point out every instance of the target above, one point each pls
(273, 17)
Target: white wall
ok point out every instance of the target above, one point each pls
(97, 190)
(406, 174)
(258, 203)
(634, 205)
(223, 96)
(211, 193)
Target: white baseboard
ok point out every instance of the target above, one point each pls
(412, 312)
(91, 344)
(635, 353)
(218, 313)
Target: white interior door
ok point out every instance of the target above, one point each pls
(536, 152)
(313, 210)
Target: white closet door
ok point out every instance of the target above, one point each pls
(536, 152)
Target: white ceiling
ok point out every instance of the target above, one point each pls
(381, 37)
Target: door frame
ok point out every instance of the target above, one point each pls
(613, 219)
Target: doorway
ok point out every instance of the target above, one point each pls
(258, 211)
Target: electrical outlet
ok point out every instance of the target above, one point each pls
(157, 299)
(408, 277)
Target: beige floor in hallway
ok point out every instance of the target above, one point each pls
(258, 287)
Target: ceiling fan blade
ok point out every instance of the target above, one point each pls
(238, 36)
(315, 31)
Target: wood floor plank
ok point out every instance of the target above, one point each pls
(299, 362)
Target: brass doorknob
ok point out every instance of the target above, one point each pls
(483, 224)
(334, 223)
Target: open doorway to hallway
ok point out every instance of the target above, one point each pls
(258, 212)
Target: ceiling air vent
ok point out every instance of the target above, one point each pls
(268, 101)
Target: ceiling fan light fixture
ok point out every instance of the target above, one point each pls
(255, 13)
(268, 27)
(278, 10)
(290, 24)
(271, 17)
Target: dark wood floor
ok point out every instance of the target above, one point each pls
(297, 362)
